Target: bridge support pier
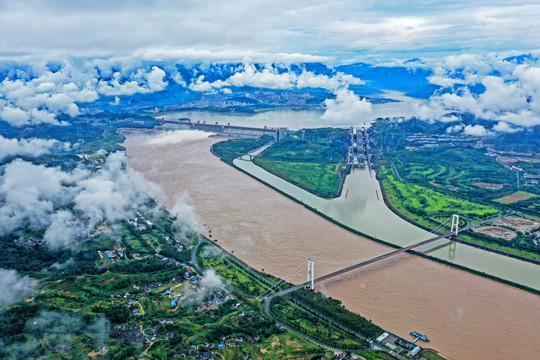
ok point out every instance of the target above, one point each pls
(311, 274)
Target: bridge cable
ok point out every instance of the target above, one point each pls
(279, 283)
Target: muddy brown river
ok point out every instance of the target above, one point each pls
(466, 316)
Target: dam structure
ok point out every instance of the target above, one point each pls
(224, 129)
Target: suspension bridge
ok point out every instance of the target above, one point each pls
(310, 283)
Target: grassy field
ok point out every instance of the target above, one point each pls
(311, 159)
(516, 197)
(444, 173)
(320, 179)
(430, 208)
(232, 148)
(425, 205)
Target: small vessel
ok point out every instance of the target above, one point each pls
(419, 336)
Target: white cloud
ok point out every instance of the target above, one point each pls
(14, 287)
(308, 79)
(187, 219)
(346, 108)
(502, 126)
(475, 130)
(511, 92)
(39, 196)
(265, 78)
(39, 100)
(279, 31)
(231, 56)
(271, 77)
(210, 282)
(14, 115)
(28, 147)
(115, 192)
(39, 95)
(455, 128)
(31, 192)
(140, 82)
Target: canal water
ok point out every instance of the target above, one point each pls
(466, 316)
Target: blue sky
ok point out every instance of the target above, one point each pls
(287, 31)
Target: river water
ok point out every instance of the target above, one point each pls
(466, 316)
(294, 119)
(362, 208)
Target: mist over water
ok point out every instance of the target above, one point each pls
(465, 316)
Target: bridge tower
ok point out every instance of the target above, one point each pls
(311, 274)
(455, 224)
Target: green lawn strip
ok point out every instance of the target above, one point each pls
(229, 149)
(430, 355)
(303, 321)
(317, 178)
(377, 355)
(497, 245)
(243, 282)
(333, 309)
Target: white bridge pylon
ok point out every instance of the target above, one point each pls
(455, 224)
(311, 273)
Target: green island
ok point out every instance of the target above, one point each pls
(313, 159)
(232, 148)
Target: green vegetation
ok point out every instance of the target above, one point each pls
(427, 175)
(245, 285)
(377, 355)
(312, 314)
(299, 319)
(425, 205)
(334, 310)
(131, 295)
(516, 197)
(128, 290)
(232, 148)
(320, 179)
(311, 159)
